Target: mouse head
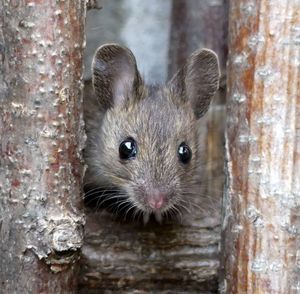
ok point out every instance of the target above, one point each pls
(146, 142)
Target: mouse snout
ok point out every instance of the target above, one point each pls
(156, 199)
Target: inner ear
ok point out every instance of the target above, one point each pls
(198, 81)
(116, 79)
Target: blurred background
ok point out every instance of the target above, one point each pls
(142, 26)
(160, 33)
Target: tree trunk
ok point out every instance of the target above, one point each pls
(170, 257)
(262, 219)
(41, 45)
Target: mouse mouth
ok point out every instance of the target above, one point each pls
(130, 205)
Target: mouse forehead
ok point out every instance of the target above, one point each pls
(154, 119)
(158, 119)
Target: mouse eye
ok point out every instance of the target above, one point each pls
(184, 153)
(128, 149)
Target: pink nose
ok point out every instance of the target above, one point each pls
(156, 199)
(156, 203)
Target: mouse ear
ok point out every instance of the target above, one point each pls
(116, 79)
(198, 81)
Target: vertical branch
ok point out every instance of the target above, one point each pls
(262, 219)
(41, 44)
(197, 24)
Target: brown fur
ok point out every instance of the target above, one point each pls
(158, 118)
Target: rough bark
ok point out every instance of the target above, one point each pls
(41, 45)
(167, 258)
(120, 256)
(262, 219)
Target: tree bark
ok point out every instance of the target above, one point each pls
(41, 45)
(261, 223)
(167, 258)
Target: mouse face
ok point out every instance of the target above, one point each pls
(143, 140)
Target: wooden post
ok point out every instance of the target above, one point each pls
(261, 229)
(41, 45)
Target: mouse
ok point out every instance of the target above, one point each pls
(142, 149)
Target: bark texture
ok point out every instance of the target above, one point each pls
(41, 45)
(168, 258)
(262, 200)
(122, 257)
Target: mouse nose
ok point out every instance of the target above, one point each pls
(156, 199)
